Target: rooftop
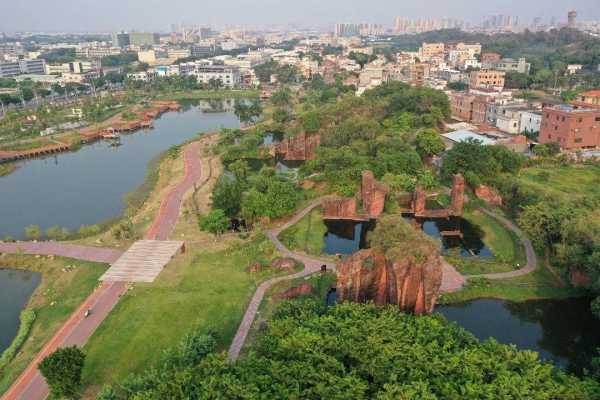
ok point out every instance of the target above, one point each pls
(464, 135)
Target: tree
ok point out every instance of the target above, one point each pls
(62, 371)
(33, 232)
(215, 222)
(429, 143)
(227, 196)
(458, 86)
(281, 116)
(282, 98)
(55, 233)
(240, 169)
(360, 351)
(311, 122)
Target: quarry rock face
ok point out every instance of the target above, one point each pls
(372, 196)
(298, 148)
(457, 198)
(413, 285)
(489, 195)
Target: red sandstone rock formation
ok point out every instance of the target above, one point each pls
(458, 195)
(457, 199)
(411, 284)
(298, 148)
(372, 195)
(579, 279)
(302, 290)
(489, 195)
(287, 264)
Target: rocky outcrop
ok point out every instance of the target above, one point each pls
(490, 196)
(412, 284)
(298, 148)
(371, 196)
(457, 200)
(579, 279)
(301, 290)
(286, 264)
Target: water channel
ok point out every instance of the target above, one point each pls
(16, 286)
(88, 186)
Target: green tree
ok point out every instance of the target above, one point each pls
(62, 371)
(227, 196)
(33, 232)
(281, 116)
(215, 222)
(282, 98)
(240, 169)
(311, 122)
(429, 143)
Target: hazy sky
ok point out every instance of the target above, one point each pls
(106, 15)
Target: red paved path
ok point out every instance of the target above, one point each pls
(166, 219)
(88, 253)
(76, 331)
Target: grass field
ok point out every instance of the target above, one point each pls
(65, 284)
(508, 250)
(209, 94)
(307, 235)
(539, 284)
(201, 288)
(563, 182)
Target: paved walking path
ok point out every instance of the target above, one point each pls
(311, 265)
(529, 252)
(87, 253)
(77, 330)
(165, 221)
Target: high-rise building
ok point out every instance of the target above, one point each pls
(122, 39)
(347, 30)
(406, 26)
(572, 19)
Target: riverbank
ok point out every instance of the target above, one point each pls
(209, 94)
(64, 284)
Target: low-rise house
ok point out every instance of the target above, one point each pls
(531, 121)
(572, 128)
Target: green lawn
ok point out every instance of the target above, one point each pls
(204, 289)
(307, 235)
(539, 284)
(508, 250)
(65, 284)
(563, 182)
(209, 94)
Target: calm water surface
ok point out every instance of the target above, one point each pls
(16, 286)
(562, 331)
(88, 186)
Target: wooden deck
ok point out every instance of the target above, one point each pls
(144, 260)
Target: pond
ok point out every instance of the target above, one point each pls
(469, 245)
(272, 138)
(345, 237)
(88, 186)
(16, 286)
(562, 331)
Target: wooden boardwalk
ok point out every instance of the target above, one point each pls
(144, 260)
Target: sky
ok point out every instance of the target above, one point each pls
(110, 15)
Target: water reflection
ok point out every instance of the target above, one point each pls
(346, 237)
(563, 331)
(88, 186)
(16, 286)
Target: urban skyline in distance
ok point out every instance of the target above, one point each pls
(68, 16)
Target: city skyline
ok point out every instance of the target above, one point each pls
(109, 15)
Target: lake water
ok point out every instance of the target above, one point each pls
(345, 237)
(88, 186)
(563, 331)
(16, 286)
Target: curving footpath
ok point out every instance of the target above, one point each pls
(76, 331)
(452, 280)
(529, 252)
(311, 265)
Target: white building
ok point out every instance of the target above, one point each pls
(229, 75)
(531, 121)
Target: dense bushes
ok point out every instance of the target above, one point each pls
(479, 163)
(355, 351)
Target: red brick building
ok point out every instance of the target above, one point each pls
(572, 128)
